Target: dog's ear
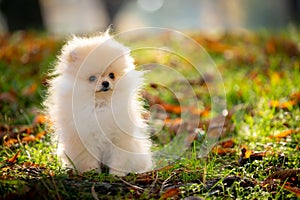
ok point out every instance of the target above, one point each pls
(73, 56)
(76, 54)
(73, 51)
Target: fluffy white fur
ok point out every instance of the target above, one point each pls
(94, 124)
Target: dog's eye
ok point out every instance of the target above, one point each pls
(111, 75)
(92, 78)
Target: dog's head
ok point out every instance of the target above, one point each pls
(96, 62)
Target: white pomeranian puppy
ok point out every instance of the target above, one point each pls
(93, 103)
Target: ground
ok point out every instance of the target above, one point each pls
(257, 155)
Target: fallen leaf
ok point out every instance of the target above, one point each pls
(170, 193)
(30, 164)
(14, 158)
(228, 144)
(171, 108)
(224, 148)
(26, 48)
(28, 138)
(172, 122)
(203, 113)
(283, 175)
(223, 151)
(175, 109)
(10, 142)
(30, 90)
(274, 103)
(270, 47)
(277, 45)
(248, 156)
(8, 97)
(288, 104)
(26, 129)
(284, 134)
(294, 190)
(282, 105)
(15, 134)
(288, 179)
(295, 97)
(40, 135)
(40, 119)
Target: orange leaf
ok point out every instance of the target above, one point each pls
(223, 151)
(228, 144)
(40, 119)
(172, 192)
(282, 105)
(288, 178)
(248, 153)
(295, 97)
(29, 138)
(30, 90)
(294, 190)
(40, 135)
(288, 104)
(14, 158)
(175, 121)
(171, 108)
(270, 47)
(176, 109)
(284, 133)
(203, 113)
(285, 174)
(248, 156)
(27, 130)
(10, 142)
(274, 103)
(252, 155)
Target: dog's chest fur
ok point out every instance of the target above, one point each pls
(101, 106)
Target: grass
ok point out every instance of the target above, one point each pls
(260, 74)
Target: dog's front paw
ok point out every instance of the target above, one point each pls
(117, 172)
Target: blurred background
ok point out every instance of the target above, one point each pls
(63, 17)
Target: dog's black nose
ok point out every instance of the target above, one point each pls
(105, 84)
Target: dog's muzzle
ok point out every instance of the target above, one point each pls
(105, 86)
